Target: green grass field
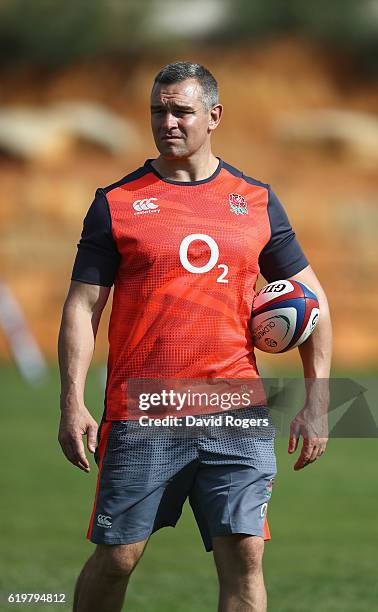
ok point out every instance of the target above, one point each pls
(322, 558)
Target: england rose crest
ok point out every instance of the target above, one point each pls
(238, 204)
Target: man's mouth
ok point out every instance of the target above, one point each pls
(170, 137)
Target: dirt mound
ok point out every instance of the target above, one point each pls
(329, 193)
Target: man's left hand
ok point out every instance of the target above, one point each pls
(314, 429)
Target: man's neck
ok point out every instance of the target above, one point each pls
(186, 170)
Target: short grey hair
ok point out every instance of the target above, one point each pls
(180, 71)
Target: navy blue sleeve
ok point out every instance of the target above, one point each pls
(282, 256)
(97, 257)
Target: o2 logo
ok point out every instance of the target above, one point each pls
(213, 261)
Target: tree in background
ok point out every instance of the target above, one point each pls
(57, 32)
(350, 25)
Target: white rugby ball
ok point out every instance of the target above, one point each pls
(284, 315)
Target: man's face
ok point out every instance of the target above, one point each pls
(181, 124)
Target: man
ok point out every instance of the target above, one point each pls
(184, 266)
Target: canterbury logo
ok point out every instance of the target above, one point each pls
(145, 205)
(104, 521)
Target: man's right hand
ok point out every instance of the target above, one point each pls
(74, 424)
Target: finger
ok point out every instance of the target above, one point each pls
(315, 453)
(67, 449)
(293, 443)
(294, 439)
(322, 448)
(92, 438)
(304, 457)
(75, 454)
(81, 457)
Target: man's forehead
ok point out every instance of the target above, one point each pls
(188, 91)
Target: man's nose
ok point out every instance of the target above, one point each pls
(169, 121)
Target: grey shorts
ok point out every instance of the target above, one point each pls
(147, 473)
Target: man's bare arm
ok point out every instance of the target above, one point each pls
(316, 355)
(81, 316)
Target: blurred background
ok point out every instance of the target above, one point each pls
(300, 89)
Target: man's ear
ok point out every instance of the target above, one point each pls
(215, 116)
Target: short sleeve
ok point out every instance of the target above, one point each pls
(282, 256)
(97, 257)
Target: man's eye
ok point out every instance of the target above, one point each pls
(182, 113)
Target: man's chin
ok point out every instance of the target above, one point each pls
(172, 154)
(172, 150)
